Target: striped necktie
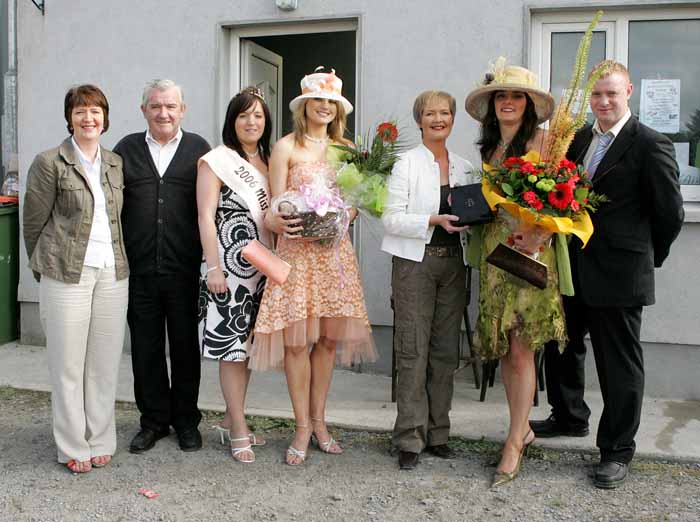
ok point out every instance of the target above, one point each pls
(600, 150)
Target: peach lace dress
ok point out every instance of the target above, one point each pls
(322, 296)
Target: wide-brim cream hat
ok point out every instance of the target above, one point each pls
(504, 77)
(321, 85)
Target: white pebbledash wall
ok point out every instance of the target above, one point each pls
(405, 47)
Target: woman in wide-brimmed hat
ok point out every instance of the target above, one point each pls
(515, 319)
(319, 311)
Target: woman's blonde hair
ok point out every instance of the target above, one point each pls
(336, 128)
(426, 97)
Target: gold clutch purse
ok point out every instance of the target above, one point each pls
(262, 258)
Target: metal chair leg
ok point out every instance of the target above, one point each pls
(473, 359)
(540, 365)
(485, 373)
(394, 371)
(488, 374)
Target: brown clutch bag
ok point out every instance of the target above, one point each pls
(519, 264)
(266, 261)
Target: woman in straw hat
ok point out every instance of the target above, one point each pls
(320, 309)
(515, 319)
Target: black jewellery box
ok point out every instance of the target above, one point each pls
(469, 205)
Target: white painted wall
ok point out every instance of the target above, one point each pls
(406, 46)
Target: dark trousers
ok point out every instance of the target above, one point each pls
(157, 302)
(429, 299)
(620, 367)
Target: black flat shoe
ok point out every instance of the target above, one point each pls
(550, 427)
(145, 439)
(408, 460)
(189, 439)
(442, 450)
(610, 475)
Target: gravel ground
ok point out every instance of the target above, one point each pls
(362, 484)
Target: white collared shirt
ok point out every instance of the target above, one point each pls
(163, 154)
(597, 133)
(413, 196)
(99, 252)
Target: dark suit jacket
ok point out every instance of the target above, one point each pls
(634, 230)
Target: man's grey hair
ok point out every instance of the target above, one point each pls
(159, 85)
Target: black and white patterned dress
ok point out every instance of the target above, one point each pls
(226, 321)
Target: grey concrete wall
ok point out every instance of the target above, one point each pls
(3, 70)
(405, 47)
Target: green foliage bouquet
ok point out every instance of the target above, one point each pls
(363, 170)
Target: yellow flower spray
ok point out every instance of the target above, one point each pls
(565, 123)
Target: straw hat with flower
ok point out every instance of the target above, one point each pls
(502, 77)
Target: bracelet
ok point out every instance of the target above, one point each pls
(212, 268)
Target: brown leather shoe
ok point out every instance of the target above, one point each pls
(442, 450)
(408, 460)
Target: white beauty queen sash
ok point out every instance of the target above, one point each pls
(246, 181)
(221, 337)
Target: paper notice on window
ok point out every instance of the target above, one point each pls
(660, 105)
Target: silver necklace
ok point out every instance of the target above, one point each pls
(316, 140)
(251, 156)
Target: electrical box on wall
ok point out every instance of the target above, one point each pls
(287, 5)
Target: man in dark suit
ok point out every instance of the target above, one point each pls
(159, 219)
(635, 167)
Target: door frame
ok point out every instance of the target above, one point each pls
(272, 58)
(229, 46)
(229, 65)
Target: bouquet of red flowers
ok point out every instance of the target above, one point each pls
(554, 195)
(562, 190)
(540, 199)
(363, 170)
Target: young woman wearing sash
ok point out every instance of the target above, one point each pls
(232, 197)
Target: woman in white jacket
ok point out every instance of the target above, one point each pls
(428, 280)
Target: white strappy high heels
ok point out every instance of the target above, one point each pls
(238, 453)
(225, 436)
(293, 452)
(325, 446)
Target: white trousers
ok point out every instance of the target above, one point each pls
(84, 326)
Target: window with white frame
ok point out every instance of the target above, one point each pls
(659, 46)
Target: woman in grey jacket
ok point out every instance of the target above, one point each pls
(74, 242)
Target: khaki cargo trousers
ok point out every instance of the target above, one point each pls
(429, 299)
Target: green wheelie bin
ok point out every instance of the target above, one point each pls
(9, 271)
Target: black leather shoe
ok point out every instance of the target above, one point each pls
(550, 427)
(610, 475)
(408, 460)
(145, 439)
(442, 450)
(189, 439)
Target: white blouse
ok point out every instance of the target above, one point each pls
(414, 195)
(99, 252)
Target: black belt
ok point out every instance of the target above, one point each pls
(443, 251)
